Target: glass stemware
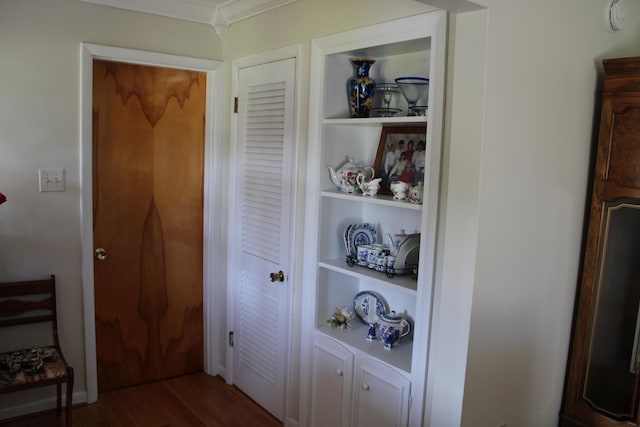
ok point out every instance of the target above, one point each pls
(387, 90)
(412, 89)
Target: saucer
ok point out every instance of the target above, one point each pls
(386, 112)
(420, 110)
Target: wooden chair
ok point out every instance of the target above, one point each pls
(34, 302)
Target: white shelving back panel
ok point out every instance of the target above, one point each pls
(340, 141)
(336, 214)
(391, 220)
(334, 290)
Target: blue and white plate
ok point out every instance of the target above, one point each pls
(369, 306)
(360, 234)
(345, 239)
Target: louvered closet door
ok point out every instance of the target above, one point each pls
(262, 231)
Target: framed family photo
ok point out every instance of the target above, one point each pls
(401, 155)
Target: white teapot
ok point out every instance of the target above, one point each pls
(368, 188)
(399, 189)
(345, 175)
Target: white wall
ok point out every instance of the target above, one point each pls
(39, 128)
(543, 66)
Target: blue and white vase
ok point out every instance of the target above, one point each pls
(361, 88)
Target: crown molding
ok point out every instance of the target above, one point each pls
(219, 14)
(455, 6)
(237, 10)
(232, 11)
(188, 10)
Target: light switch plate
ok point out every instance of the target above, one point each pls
(51, 180)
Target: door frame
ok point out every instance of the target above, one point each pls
(295, 275)
(212, 207)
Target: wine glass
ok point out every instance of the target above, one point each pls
(412, 89)
(387, 90)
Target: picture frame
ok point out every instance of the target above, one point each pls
(396, 139)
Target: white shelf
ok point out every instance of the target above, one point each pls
(378, 199)
(356, 337)
(401, 120)
(404, 283)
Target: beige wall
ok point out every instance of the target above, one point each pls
(522, 96)
(542, 73)
(39, 128)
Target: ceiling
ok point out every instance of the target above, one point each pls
(220, 14)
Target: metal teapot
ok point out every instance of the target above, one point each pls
(396, 240)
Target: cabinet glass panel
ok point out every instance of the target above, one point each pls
(611, 381)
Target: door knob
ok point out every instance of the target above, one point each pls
(277, 277)
(101, 254)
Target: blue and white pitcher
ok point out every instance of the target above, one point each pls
(393, 327)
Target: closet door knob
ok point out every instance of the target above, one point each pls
(339, 372)
(365, 386)
(277, 277)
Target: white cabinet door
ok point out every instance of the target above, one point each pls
(332, 384)
(382, 396)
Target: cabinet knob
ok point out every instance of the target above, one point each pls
(365, 386)
(339, 372)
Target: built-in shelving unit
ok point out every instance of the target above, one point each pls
(408, 47)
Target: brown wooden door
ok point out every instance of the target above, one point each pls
(148, 149)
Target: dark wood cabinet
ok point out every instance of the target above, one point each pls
(603, 372)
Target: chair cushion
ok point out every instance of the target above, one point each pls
(30, 366)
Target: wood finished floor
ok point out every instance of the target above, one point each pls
(196, 400)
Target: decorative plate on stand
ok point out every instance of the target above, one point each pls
(369, 306)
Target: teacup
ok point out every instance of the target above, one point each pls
(399, 189)
(363, 255)
(374, 251)
(415, 193)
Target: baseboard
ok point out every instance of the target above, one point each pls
(39, 406)
(222, 372)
